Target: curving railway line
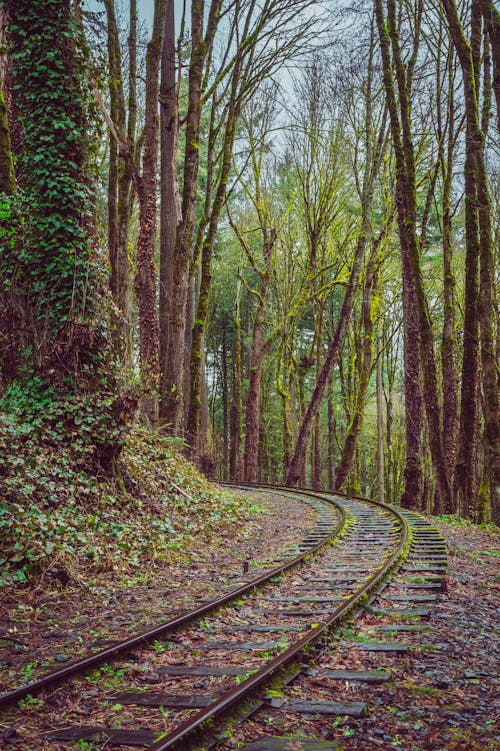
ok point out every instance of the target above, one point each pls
(176, 685)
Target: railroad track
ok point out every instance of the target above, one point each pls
(166, 688)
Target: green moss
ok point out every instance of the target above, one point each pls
(7, 177)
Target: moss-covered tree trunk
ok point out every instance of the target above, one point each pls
(448, 337)
(236, 470)
(399, 105)
(491, 15)
(146, 273)
(120, 182)
(173, 319)
(354, 428)
(170, 215)
(7, 175)
(479, 246)
(258, 350)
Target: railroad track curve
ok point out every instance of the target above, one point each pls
(230, 648)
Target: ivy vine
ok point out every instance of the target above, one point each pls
(47, 262)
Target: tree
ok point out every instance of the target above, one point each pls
(480, 309)
(398, 94)
(374, 153)
(257, 41)
(258, 189)
(121, 188)
(54, 322)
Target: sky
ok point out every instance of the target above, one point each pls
(144, 7)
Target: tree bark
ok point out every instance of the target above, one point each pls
(170, 213)
(172, 378)
(7, 175)
(448, 336)
(380, 428)
(236, 459)
(414, 400)
(119, 187)
(146, 273)
(352, 434)
(399, 111)
(491, 16)
(225, 405)
(479, 243)
(258, 352)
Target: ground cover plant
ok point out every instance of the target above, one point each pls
(59, 520)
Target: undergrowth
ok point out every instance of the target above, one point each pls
(61, 521)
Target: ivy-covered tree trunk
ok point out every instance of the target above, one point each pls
(51, 269)
(55, 338)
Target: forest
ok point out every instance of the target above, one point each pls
(264, 234)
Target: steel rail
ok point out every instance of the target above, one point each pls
(98, 658)
(178, 737)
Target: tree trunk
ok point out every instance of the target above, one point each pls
(146, 274)
(380, 428)
(284, 388)
(11, 111)
(237, 464)
(491, 17)
(296, 469)
(252, 406)
(414, 401)
(406, 201)
(448, 339)
(225, 406)
(479, 243)
(316, 454)
(172, 377)
(351, 439)
(7, 175)
(331, 437)
(170, 216)
(119, 187)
